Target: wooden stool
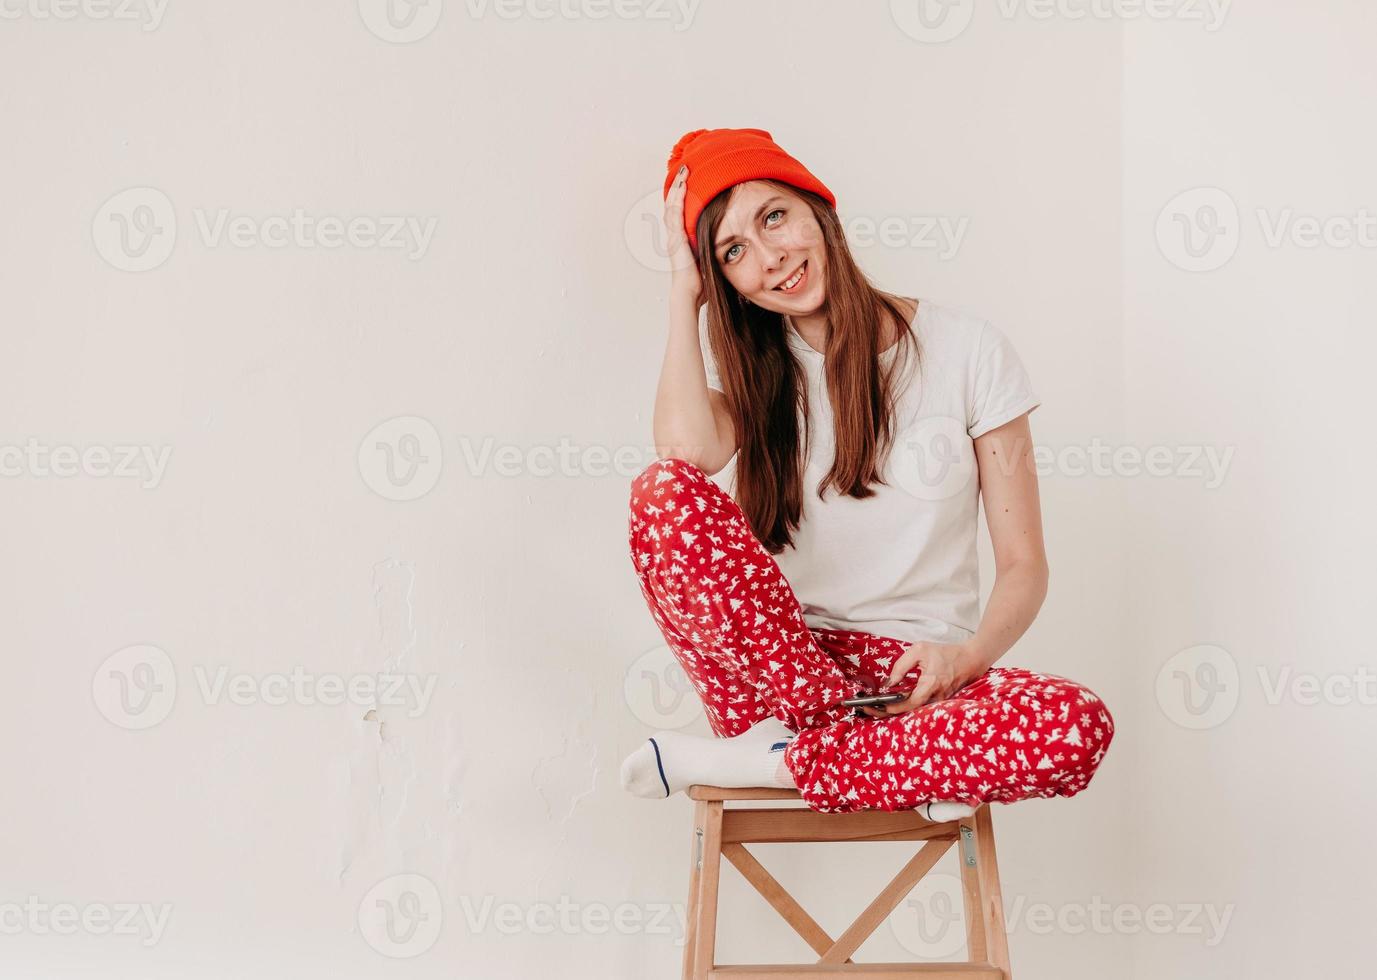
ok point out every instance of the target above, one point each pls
(719, 832)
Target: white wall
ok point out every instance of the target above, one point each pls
(525, 316)
(1263, 353)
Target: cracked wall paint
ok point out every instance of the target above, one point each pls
(376, 789)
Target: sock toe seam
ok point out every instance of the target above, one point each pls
(660, 768)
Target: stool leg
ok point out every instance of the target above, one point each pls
(991, 899)
(973, 908)
(694, 891)
(705, 938)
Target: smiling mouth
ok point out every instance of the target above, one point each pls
(795, 281)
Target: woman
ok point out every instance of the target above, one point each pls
(864, 426)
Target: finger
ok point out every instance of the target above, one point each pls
(921, 693)
(677, 188)
(901, 666)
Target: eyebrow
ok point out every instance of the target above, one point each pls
(755, 217)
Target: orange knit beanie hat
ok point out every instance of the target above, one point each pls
(721, 158)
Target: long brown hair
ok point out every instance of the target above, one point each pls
(766, 385)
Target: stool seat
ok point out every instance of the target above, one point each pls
(699, 792)
(720, 832)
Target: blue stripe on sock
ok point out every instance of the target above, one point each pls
(660, 767)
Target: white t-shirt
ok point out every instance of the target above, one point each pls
(903, 563)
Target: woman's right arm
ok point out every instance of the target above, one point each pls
(692, 421)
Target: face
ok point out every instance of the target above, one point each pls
(766, 237)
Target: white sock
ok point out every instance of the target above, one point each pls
(670, 762)
(940, 811)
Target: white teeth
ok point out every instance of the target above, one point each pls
(793, 281)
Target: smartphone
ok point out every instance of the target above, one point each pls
(868, 699)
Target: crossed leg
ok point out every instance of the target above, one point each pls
(735, 626)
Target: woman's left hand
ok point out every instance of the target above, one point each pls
(946, 668)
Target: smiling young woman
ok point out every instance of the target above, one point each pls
(866, 428)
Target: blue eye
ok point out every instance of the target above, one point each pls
(727, 255)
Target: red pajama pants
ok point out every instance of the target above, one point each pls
(736, 628)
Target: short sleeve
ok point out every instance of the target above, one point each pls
(1000, 388)
(709, 364)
